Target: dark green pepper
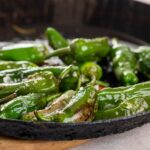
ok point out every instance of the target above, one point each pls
(41, 82)
(124, 64)
(79, 108)
(35, 53)
(109, 98)
(143, 56)
(82, 50)
(128, 107)
(21, 105)
(4, 65)
(55, 39)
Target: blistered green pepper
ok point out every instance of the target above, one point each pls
(128, 107)
(92, 71)
(143, 56)
(82, 50)
(124, 64)
(57, 104)
(35, 53)
(41, 82)
(79, 108)
(68, 76)
(55, 39)
(21, 105)
(109, 98)
(4, 65)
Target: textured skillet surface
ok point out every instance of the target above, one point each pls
(60, 131)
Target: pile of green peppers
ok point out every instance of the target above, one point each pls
(77, 91)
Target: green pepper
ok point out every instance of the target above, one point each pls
(41, 82)
(29, 116)
(92, 71)
(55, 39)
(128, 107)
(109, 98)
(35, 53)
(71, 80)
(143, 56)
(83, 50)
(68, 76)
(79, 108)
(4, 65)
(57, 104)
(19, 106)
(124, 64)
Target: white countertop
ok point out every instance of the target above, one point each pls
(135, 139)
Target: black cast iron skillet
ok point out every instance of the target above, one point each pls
(69, 131)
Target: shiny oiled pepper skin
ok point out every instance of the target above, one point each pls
(92, 71)
(124, 64)
(109, 98)
(143, 56)
(128, 107)
(4, 65)
(29, 116)
(41, 82)
(55, 39)
(35, 53)
(57, 104)
(84, 98)
(69, 80)
(19, 74)
(83, 50)
(15, 108)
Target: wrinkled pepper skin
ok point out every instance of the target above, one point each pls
(128, 107)
(35, 53)
(84, 98)
(92, 71)
(4, 65)
(29, 116)
(143, 56)
(71, 80)
(57, 105)
(124, 64)
(55, 39)
(109, 98)
(83, 50)
(15, 108)
(41, 82)
(19, 74)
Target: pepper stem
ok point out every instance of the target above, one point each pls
(59, 52)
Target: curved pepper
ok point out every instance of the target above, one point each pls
(35, 53)
(29, 116)
(79, 108)
(57, 104)
(4, 65)
(55, 39)
(82, 50)
(41, 82)
(129, 107)
(143, 56)
(124, 64)
(109, 98)
(92, 71)
(15, 108)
